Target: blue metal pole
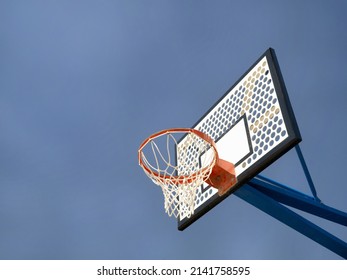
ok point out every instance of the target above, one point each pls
(307, 172)
(296, 199)
(292, 219)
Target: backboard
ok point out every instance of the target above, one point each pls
(252, 125)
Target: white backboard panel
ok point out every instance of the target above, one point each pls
(252, 124)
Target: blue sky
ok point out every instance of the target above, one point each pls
(82, 83)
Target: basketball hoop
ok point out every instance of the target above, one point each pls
(180, 160)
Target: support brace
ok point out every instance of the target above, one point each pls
(269, 195)
(290, 218)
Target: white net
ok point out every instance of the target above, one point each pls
(178, 169)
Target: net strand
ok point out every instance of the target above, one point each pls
(180, 181)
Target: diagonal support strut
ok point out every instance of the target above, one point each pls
(269, 205)
(298, 200)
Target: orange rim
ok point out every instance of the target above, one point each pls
(178, 179)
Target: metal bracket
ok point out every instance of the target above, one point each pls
(269, 196)
(269, 205)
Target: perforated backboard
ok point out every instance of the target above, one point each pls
(252, 124)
